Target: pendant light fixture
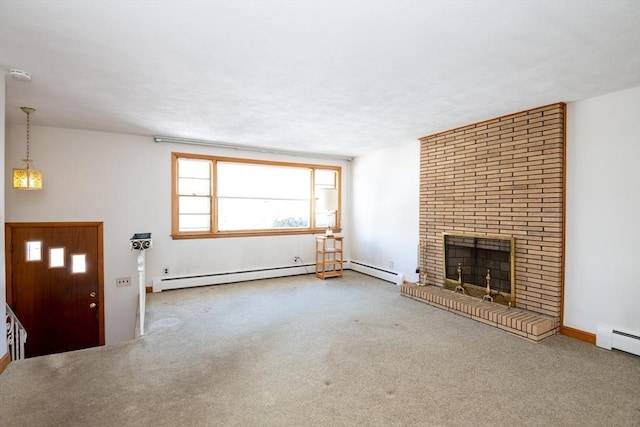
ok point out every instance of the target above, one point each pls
(27, 178)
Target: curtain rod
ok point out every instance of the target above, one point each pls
(217, 144)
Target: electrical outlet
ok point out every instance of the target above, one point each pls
(391, 265)
(123, 281)
(165, 271)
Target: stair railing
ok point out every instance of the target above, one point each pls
(16, 335)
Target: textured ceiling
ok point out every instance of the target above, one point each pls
(343, 77)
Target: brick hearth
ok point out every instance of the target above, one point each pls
(517, 321)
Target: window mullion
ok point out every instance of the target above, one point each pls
(312, 201)
(214, 196)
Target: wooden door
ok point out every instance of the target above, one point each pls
(55, 284)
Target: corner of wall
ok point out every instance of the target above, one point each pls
(3, 279)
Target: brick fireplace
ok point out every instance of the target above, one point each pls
(505, 177)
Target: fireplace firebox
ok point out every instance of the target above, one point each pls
(480, 265)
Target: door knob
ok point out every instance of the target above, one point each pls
(92, 294)
(93, 305)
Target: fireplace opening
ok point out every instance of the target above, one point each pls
(473, 261)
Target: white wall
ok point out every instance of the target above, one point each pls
(602, 281)
(385, 187)
(3, 279)
(125, 181)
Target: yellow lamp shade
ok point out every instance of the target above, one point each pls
(27, 179)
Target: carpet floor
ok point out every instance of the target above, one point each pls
(300, 351)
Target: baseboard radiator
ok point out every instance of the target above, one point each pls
(380, 273)
(160, 284)
(189, 281)
(609, 338)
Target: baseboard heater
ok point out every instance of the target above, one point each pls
(609, 338)
(178, 282)
(380, 273)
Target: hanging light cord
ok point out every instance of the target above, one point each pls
(28, 138)
(28, 111)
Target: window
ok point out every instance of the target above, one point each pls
(78, 263)
(225, 197)
(56, 257)
(34, 250)
(194, 194)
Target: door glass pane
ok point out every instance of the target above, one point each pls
(56, 257)
(79, 263)
(34, 250)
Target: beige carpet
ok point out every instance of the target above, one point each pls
(300, 351)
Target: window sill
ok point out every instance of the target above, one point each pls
(252, 233)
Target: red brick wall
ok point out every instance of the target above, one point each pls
(500, 176)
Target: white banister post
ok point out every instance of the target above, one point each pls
(141, 242)
(142, 289)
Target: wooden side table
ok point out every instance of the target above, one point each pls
(328, 256)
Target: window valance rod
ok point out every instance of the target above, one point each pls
(216, 144)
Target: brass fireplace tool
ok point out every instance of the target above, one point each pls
(460, 287)
(488, 296)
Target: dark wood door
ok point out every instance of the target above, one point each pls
(56, 285)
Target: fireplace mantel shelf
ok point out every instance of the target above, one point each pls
(521, 322)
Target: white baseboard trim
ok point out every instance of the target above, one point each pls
(608, 337)
(188, 281)
(160, 284)
(380, 273)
